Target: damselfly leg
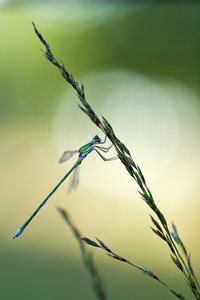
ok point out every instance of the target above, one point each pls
(104, 149)
(103, 142)
(104, 158)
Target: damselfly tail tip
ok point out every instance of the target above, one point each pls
(19, 231)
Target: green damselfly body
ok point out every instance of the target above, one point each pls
(94, 144)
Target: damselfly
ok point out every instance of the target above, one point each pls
(94, 144)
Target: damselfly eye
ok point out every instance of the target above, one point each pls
(96, 139)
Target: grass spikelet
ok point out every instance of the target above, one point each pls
(135, 172)
(97, 282)
(112, 254)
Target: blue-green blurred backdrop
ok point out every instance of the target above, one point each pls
(140, 66)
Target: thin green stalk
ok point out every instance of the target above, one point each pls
(87, 258)
(145, 271)
(126, 159)
(179, 242)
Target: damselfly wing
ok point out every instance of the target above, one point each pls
(67, 155)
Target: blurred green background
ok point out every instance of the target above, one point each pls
(140, 66)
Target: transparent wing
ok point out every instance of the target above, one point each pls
(67, 155)
(74, 180)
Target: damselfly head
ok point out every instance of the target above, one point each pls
(96, 139)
